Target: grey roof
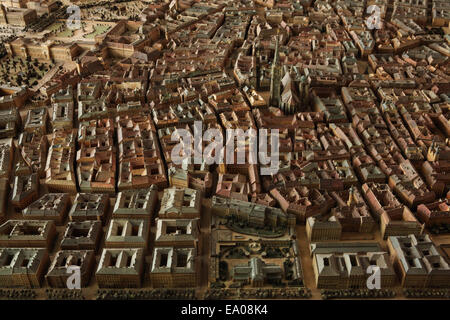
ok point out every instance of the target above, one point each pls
(135, 257)
(172, 255)
(419, 255)
(16, 257)
(344, 247)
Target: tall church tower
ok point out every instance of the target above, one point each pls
(275, 77)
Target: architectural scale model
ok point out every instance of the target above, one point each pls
(349, 101)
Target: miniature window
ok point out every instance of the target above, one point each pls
(31, 230)
(181, 259)
(135, 230)
(129, 260)
(164, 259)
(171, 229)
(25, 262)
(79, 233)
(9, 259)
(113, 261)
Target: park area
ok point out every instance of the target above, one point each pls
(59, 30)
(18, 71)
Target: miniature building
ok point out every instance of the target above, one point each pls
(17, 16)
(4, 188)
(128, 233)
(253, 214)
(120, 268)
(418, 262)
(23, 267)
(89, 206)
(36, 120)
(12, 97)
(345, 267)
(136, 204)
(96, 158)
(180, 203)
(331, 105)
(174, 267)
(201, 180)
(21, 166)
(230, 249)
(84, 235)
(436, 213)
(62, 115)
(140, 160)
(395, 219)
(229, 100)
(57, 274)
(409, 186)
(302, 202)
(52, 206)
(352, 212)
(233, 186)
(63, 95)
(33, 147)
(6, 161)
(63, 108)
(27, 233)
(25, 190)
(59, 172)
(319, 228)
(177, 233)
(91, 109)
(257, 272)
(43, 51)
(9, 122)
(265, 199)
(436, 174)
(440, 13)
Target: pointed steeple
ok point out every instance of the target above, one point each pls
(351, 196)
(275, 80)
(276, 58)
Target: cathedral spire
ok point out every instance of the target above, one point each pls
(275, 79)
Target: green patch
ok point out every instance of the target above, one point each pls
(55, 26)
(67, 33)
(98, 30)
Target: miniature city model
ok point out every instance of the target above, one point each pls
(335, 122)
